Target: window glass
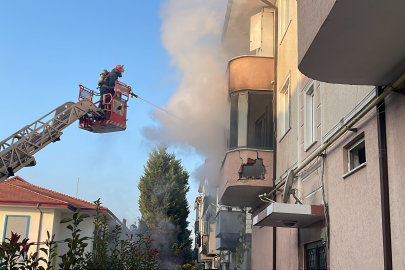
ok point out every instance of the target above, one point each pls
(309, 124)
(16, 224)
(242, 119)
(287, 108)
(356, 154)
(260, 121)
(233, 134)
(251, 122)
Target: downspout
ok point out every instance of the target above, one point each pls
(274, 122)
(384, 183)
(39, 229)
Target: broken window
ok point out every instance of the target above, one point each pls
(356, 154)
(251, 120)
(254, 169)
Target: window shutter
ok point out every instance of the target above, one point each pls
(256, 31)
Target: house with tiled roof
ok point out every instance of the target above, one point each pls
(31, 211)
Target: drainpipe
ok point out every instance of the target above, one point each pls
(274, 121)
(384, 183)
(39, 229)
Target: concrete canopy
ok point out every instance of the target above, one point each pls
(289, 215)
(351, 42)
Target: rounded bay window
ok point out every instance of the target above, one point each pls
(251, 123)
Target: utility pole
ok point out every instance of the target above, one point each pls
(77, 189)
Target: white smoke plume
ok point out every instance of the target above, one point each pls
(191, 33)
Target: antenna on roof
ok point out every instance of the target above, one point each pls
(288, 190)
(77, 189)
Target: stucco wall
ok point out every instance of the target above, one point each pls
(395, 111)
(33, 213)
(287, 248)
(287, 65)
(51, 218)
(311, 16)
(287, 245)
(309, 185)
(34, 219)
(262, 247)
(338, 100)
(355, 203)
(86, 226)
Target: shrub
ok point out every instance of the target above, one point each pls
(109, 251)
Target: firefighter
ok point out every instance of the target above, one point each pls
(108, 84)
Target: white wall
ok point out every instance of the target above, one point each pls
(51, 218)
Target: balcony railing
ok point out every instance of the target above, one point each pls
(251, 73)
(245, 174)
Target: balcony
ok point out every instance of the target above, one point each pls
(247, 168)
(227, 229)
(245, 174)
(251, 73)
(351, 42)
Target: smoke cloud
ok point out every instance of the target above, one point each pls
(191, 33)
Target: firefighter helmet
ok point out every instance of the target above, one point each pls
(120, 68)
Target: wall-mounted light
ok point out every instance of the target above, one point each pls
(289, 223)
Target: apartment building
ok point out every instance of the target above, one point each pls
(315, 132)
(348, 43)
(205, 242)
(219, 231)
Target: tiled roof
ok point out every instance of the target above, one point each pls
(18, 191)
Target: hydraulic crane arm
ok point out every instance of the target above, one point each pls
(17, 151)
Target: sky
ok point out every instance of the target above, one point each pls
(49, 47)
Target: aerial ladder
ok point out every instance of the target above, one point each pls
(18, 150)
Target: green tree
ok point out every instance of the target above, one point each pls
(163, 205)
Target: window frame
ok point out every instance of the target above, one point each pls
(350, 148)
(319, 248)
(346, 155)
(242, 120)
(309, 115)
(284, 120)
(6, 221)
